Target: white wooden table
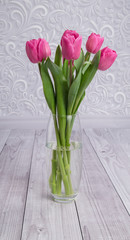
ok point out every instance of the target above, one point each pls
(101, 210)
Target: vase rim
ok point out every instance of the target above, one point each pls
(64, 116)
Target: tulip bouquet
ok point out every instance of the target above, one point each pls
(72, 71)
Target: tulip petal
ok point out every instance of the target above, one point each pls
(40, 50)
(31, 52)
(67, 49)
(48, 50)
(91, 44)
(77, 47)
(100, 42)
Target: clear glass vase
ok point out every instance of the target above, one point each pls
(64, 156)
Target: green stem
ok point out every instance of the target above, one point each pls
(62, 127)
(54, 167)
(52, 179)
(67, 168)
(68, 139)
(70, 123)
(59, 181)
(70, 72)
(87, 56)
(68, 135)
(68, 155)
(39, 66)
(60, 161)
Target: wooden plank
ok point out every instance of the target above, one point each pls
(3, 137)
(101, 212)
(15, 162)
(122, 138)
(114, 160)
(44, 218)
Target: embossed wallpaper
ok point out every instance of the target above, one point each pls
(21, 91)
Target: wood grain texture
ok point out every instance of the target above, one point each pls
(15, 162)
(114, 160)
(45, 219)
(122, 138)
(101, 212)
(28, 213)
(3, 137)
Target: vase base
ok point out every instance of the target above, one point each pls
(64, 199)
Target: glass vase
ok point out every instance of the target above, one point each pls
(64, 156)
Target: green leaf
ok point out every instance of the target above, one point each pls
(82, 97)
(65, 68)
(87, 77)
(61, 96)
(73, 93)
(60, 86)
(79, 62)
(48, 88)
(58, 57)
(85, 66)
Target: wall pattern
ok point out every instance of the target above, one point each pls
(20, 85)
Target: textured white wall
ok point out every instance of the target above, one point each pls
(20, 84)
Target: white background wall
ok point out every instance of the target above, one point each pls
(21, 93)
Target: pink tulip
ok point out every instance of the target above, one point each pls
(107, 58)
(71, 45)
(37, 49)
(94, 43)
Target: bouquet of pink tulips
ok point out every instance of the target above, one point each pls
(72, 72)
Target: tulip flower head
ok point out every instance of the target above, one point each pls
(94, 43)
(107, 58)
(71, 45)
(37, 49)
